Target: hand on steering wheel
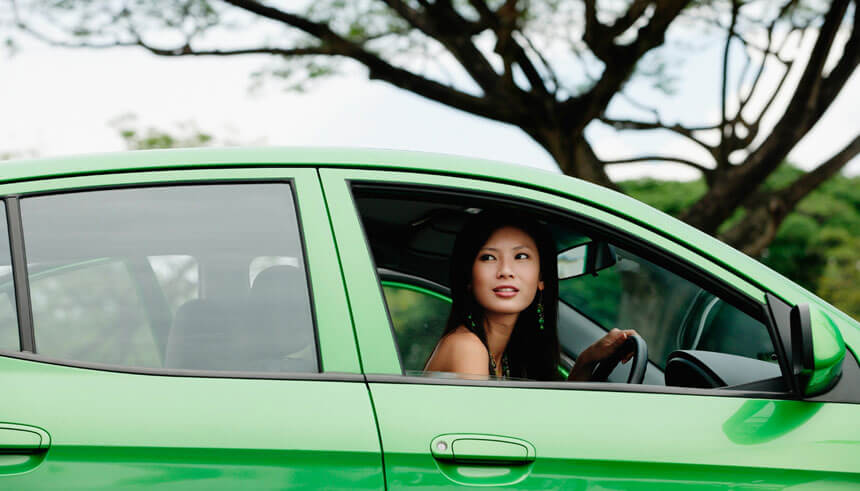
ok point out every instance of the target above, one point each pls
(634, 349)
(597, 361)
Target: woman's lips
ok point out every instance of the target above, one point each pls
(505, 291)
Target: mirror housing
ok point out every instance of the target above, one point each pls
(811, 345)
(802, 358)
(588, 258)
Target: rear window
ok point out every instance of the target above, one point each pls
(169, 277)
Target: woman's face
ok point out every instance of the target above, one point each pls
(506, 272)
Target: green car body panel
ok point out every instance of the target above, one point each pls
(361, 424)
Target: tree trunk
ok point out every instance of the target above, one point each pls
(574, 155)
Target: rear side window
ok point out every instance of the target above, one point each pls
(8, 313)
(159, 277)
(96, 301)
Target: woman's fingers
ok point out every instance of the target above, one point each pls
(621, 337)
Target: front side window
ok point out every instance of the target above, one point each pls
(159, 277)
(689, 329)
(671, 312)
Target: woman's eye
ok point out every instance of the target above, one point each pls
(521, 255)
(487, 257)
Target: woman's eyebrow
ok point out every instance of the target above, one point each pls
(524, 246)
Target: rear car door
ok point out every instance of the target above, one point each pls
(439, 432)
(181, 328)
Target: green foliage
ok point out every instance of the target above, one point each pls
(418, 320)
(841, 275)
(186, 135)
(598, 296)
(671, 197)
(817, 245)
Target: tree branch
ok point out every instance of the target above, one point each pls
(620, 60)
(807, 104)
(839, 75)
(663, 158)
(550, 71)
(688, 132)
(807, 183)
(441, 22)
(810, 99)
(626, 21)
(726, 130)
(761, 222)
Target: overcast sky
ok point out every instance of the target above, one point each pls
(59, 101)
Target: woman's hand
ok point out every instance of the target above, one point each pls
(599, 351)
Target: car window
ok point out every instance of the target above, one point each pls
(418, 316)
(160, 277)
(669, 311)
(414, 233)
(91, 312)
(178, 277)
(8, 313)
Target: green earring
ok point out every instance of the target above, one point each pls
(540, 311)
(471, 322)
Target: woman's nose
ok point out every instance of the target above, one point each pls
(504, 270)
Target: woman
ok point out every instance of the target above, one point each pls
(503, 321)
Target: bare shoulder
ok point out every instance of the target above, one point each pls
(460, 351)
(463, 339)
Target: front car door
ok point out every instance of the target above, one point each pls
(183, 328)
(440, 432)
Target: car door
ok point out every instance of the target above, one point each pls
(181, 328)
(451, 432)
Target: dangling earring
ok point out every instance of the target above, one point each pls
(540, 311)
(471, 322)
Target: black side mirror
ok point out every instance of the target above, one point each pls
(802, 358)
(588, 258)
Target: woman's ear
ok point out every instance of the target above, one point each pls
(540, 285)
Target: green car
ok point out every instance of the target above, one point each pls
(228, 318)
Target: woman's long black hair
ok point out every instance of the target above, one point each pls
(532, 352)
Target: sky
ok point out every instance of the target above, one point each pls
(58, 101)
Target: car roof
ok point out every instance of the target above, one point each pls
(399, 160)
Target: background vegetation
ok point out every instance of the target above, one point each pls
(817, 246)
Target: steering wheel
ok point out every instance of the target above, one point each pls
(638, 363)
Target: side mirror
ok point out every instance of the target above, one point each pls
(813, 367)
(588, 258)
(802, 358)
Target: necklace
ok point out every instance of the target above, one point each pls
(506, 368)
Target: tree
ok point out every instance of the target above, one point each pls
(184, 135)
(817, 244)
(549, 67)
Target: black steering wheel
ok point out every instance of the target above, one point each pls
(638, 363)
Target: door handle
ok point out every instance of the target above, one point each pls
(22, 439)
(481, 449)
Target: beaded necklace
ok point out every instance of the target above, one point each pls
(506, 367)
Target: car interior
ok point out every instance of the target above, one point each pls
(694, 337)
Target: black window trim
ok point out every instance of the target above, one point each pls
(26, 336)
(178, 372)
(596, 229)
(576, 386)
(22, 285)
